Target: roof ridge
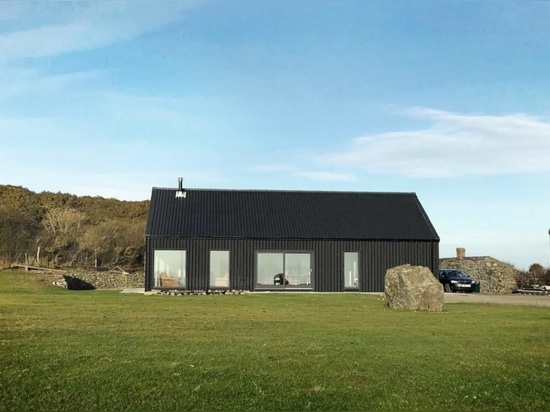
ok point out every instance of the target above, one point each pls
(285, 191)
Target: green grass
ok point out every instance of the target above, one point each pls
(102, 350)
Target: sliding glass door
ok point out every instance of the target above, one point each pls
(284, 269)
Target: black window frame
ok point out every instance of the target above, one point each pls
(358, 286)
(282, 286)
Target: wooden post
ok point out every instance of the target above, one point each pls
(38, 256)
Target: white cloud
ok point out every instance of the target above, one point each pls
(90, 25)
(18, 82)
(454, 145)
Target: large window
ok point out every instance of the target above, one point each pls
(169, 268)
(269, 266)
(351, 271)
(219, 268)
(284, 269)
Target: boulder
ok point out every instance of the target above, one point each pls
(414, 288)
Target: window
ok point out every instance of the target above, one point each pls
(219, 268)
(351, 272)
(298, 269)
(284, 269)
(270, 265)
(169, 268)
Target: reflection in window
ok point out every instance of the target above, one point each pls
(219, 268)
(284, 269)
(169, 268)
(298, 269)
(351, 273)
(270, 269)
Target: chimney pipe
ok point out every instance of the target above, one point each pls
(180, 192)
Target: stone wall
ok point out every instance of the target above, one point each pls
(101, 280)
(494, 276)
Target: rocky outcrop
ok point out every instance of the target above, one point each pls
(495, 277)
(414, 288)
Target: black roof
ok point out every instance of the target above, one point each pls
(268, 214)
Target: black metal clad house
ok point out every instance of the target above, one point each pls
(198, 239)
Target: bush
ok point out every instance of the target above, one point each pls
(536, 275)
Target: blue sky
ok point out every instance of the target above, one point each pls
(447, 99)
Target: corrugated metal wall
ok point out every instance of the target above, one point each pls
(375, 257)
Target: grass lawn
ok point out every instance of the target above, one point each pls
(101, 350)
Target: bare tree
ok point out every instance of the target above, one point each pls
(63, 227)
(63, 221)
(115, 243)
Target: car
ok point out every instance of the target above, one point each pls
(455, 280)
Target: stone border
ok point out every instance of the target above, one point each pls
(178, 292)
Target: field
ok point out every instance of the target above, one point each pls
(102, 350)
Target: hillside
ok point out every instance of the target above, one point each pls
(60, 229)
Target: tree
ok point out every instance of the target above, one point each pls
(115, 242)
(71, 230)
(63, 227)
(17, 234)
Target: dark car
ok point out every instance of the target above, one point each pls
(455, 280)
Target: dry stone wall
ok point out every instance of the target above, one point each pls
(494, 276)
(101, 280)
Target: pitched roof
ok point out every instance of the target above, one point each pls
(263, 214)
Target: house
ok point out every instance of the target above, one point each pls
(259, 240)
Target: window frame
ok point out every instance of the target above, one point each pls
(345, 269)
(169, 280)
(271, 285)
(212, 280)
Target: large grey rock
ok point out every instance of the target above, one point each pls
(414, 288)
